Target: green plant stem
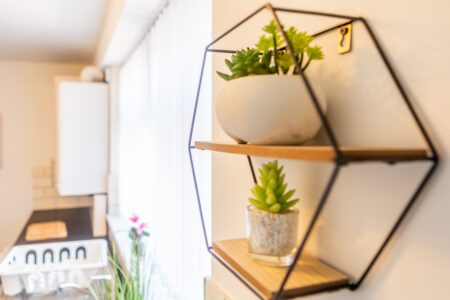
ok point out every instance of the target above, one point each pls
(299, 63)
(275, 50)
(306, 65)
(126, 285)
(93, 293)
(137, 254)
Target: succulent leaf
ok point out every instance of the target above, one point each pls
(280, 190)
(259, 192)
(285, 62)
(286, 196)
(281, 179)
(264, 44)
(288, 204)
(271, 199)
(300, 41)
(269, 55)
(315, 53)
(280, 169)
(263, 182)
(267, 59)
(270, 194)
(261, 172)
(271, 28)
(273, 183)
(258, 204)
(224, 76)
(229, 64)
(275, 208)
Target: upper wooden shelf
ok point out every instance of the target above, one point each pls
(310, 275)
(317, 153)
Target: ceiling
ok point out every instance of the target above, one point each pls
(50, 30)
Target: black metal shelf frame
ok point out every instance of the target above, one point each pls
(339, 160)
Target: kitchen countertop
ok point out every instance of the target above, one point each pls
(77, 220)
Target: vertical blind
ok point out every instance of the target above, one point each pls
(157, 93)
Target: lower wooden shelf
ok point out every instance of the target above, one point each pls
(309, 276)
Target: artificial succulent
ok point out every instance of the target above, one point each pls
(270, 195)
(270, 55)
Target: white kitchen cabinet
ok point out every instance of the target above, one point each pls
(82, 109)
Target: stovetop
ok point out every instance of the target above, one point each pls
(78, 222)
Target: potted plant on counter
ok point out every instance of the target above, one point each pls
(271, 219)
(130, 281)
(262, 101)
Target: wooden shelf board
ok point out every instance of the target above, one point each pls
(315, 153)
(309, 276)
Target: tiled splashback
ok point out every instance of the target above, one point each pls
(45, 194)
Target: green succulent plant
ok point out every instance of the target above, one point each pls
(270, 55)
(270, 195)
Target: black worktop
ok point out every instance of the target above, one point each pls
(78, 222)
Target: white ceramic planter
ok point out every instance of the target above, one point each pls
(269, 110)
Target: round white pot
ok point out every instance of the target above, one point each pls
(269, 110)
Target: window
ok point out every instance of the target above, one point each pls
(157, 92)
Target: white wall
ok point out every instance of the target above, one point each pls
(366, 110)
(28, 108)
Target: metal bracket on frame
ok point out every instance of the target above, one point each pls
(344, 41)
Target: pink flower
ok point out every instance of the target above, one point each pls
(134, 218)
(141, 228)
